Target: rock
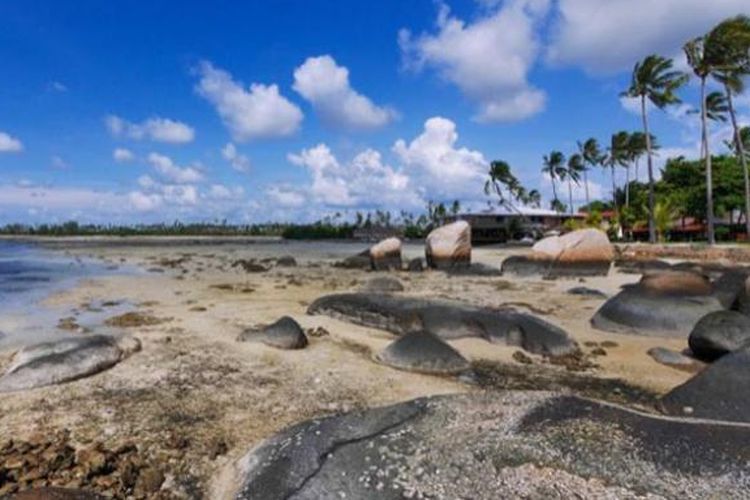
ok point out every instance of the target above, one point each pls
(249, 266)
(285, 333)
(475, 269)
(742, 301)
(719, 392)
(719, 333)
(662, 304)
(56, 494)
(416, 265)
(386, 255)
(641, 266)
(730, 288)
(449, 246)
(359, 261)
(587, 292)
(65, 360)
(447, 320)
(286, 261)
(423, 352)
(499, 445)
(383, 284)
(674, 359)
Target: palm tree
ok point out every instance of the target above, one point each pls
(533, 198)
(592, 156)
(729, 43)
(635, 149)
(554, 166)
(501, 180)
(617, 155)
(654, 80)
(573, 173)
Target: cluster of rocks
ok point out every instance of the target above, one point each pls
(50, 466)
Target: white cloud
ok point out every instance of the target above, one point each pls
(180, 194)
(260, 112)
(222, 192)
(286, 196)
(59, 163)
(122, 155)
(167, 169)
(9, 144)
(239, 162)
(59, 198)
(55, 86)
(488, 59)
(326, 85)
(143, 202)
(156, 129)
(611, 36)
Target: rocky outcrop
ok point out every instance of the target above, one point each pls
(449, 246)
(64, 360)
(586, 252)
(719, 333)
(386, 255)
(285, 333)
(383, 284)
(447, 320)
(423, 352)
(719, 392)
(499, 445)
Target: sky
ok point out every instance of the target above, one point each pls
(283, 110)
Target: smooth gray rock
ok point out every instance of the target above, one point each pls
(499, 445)
(286, 261)
(720, 392)
(447, 320)
(359, 261)
(423, 352)
(383, 284)
(285, 333)
(730, 286)
(641, 266)
(587, 292)
(522, 265)
(719, 333)
(673, 358)
(64, 360)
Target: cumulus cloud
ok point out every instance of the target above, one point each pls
(43, 198)
(488, 59)
(222, 192)
(326, 85)
(610, 36)
(239, 162)
(144, 202)
(173, 173)
(258, 112)
(286, 196)
(122, 155)
(9, 144)
(155, 129)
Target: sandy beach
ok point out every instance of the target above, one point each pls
(194, 400)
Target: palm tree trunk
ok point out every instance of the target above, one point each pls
(741, 154)
(651, 224)
(586, 183)
(570, 195)
(554, 189)
(709, 177)
(614, 190)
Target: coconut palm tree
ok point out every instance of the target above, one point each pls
(617, 155)
(501, 181)
(654, 81)
(554, 167)
(729, 43)
(573, 173)
(592, 157)
(635, 149)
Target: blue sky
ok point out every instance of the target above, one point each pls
(289, 110)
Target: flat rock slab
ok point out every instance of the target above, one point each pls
(447, 320)
(499, 445)
(423, 352)
(64, 360)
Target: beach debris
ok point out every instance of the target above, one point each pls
(423, 352)
(719, 333)
(675, 359)
(520, 357)
(386, 255)
(285, 333)
(64, 360)
(383, 284)
(449, 246)
(134, 319)
(446, 319)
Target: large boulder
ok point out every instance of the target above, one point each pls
(386, 255)
(719, 392)
(285, 333)
(64, 360)
(449, 246)
(447, 320)
(423, 352)
(719, 333)
(499, 445)
(586, 252)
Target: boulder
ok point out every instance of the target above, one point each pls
(64, 360)
(423, 352)
(416, 265)
(719, 392)
(719, 333)
(679, 283)
(359, 261)
(447, 320)
(449, 246)
(285, 333)
(386, 255)
(742, 301)
(383, 284)
(730, 288)
(498, 445)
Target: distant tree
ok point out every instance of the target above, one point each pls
(505, 185)
(617, 156)
(592, 156)
(554, 167)
(455, 207)
(573, 173)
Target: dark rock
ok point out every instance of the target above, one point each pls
(56, 494)
(416, 265)
(719, 333)
(587, 292)
(423, 352)
(447, 320)
(286, 261)
(383, 284)
(499, 445)
(359, 261)
(674, 359)
(475, 269)
(249, 266)
(719, 392)
(522, 265)
(729, 288)
(65, 360)
(285, 333)
(641, 266)
(520, 357)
